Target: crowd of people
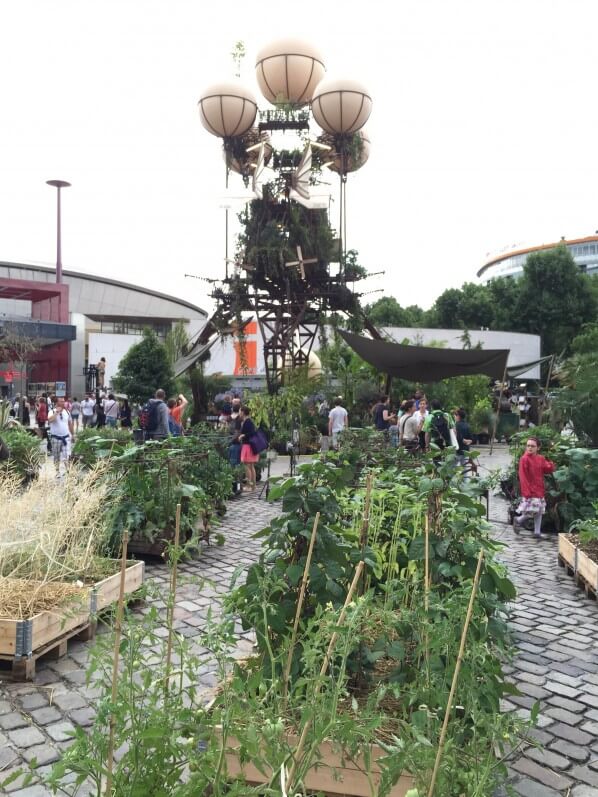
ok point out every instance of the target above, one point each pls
(415, 425)
(57, 419)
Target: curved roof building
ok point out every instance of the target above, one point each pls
(510, 264)
(101, 317)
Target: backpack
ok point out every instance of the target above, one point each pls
(439, 429)
(148, 417)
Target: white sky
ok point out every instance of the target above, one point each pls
(483, 131)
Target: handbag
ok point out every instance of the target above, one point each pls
(258, 442)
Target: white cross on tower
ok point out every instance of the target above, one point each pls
(300, 262)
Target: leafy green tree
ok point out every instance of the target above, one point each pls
(387, 312)
(555, 299)
(467, 307)
(504, 292)
(144, 369)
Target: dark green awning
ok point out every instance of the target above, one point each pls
(427, 364)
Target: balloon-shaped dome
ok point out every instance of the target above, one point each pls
(341, 106)
(227, 109)
(288, 70)
(347, 154)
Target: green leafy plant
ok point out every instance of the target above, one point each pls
(25, 453)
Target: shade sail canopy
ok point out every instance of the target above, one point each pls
(426, 364)
(516, 370)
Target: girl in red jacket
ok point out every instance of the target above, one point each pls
(532, 469)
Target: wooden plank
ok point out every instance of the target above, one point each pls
(107, 590)
(22, 668)
(49, 626)
(335, 774)
(567, 550)
(587, 569)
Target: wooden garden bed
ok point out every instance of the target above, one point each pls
(23, 642)
(578, 564)
(106, 591)
(335, 775)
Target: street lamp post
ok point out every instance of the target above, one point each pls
(58, 184)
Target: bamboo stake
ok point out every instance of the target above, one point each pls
(427, 563)
(456, 674)
(287, 668)
(173, 582)
(365, 524)
(502, 387)
(117, 635)
(324, 667)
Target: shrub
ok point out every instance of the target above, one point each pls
(26, 454)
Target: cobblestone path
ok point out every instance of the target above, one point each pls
(556, 631)
(554, 624)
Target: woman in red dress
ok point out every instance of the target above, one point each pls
(532, 469)
(248, 458)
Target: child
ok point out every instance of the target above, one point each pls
(532, 469)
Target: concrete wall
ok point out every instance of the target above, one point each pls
(112, 347)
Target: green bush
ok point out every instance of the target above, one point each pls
(26, 455)
(92, 445)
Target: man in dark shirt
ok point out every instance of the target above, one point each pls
(464, 436)
(382, 414)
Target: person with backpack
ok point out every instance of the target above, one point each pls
(437, 427)
(153, 418)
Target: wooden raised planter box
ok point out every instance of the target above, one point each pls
(335, 774)
(106, 591)
(22, 642)
(583, 569)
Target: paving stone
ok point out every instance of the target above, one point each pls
(562, 715)
(574, 752)
(44, 716)
(8, 755)
(42, 753)
(68, 701)
(83, 716)
(26, 737)
(546, 776)
(558, 688)
(36, 790)
(531, 788)
(548, 759)
(563, 702)
(12, 720)
(569, 734)
(584, 791)
(585, 775)
(60, 731)
(589, 700)
(33, 701)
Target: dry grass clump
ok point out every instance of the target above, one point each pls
(52, 531)
(21, 598)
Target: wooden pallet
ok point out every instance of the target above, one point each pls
(22, 668)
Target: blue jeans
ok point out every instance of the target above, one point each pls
(111, 422)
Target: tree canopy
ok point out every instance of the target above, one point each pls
(144, 369)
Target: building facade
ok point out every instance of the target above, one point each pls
(510, 264)
(104, 317)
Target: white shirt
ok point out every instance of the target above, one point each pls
(419, 417)
(60, 426)
(110, 407)
(87, 406)
(336, 418)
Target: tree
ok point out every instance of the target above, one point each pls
(144, 369)
(15, 344)
(504, 292)
(469, 307)
(555, 299)
(387, 312)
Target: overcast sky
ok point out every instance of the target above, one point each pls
(483, 131)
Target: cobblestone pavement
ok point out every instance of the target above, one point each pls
(556, 630)
(554, 624)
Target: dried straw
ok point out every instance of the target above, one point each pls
(21, 598)
(51, 532)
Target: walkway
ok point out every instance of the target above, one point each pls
(556, 630)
